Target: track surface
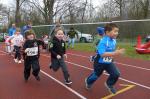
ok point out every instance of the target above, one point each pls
(134, 77)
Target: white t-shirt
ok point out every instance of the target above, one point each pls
(17, 40)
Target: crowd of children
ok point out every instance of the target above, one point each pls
(103, 59)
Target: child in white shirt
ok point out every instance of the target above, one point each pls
(17, 42)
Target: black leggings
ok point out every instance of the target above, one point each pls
(31, 63)
(17, 52)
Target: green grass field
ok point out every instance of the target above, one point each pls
(130, 51)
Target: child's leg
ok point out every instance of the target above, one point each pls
(35, 67)
(98, 70)
(16, 52)
(19, 53)
(64, 69)
(114, 74)
(27, 69)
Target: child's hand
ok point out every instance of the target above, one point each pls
(58, 57)
(26, 50)
(65, 55)
(120, 51)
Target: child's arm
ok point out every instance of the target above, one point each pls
(40, 42)
(103, 53)
(52, 49)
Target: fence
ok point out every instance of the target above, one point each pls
(128, 29)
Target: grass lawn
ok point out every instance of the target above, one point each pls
(130, 51)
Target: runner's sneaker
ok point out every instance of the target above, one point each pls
(26, 80)
(87, 85)
(111, 89)
(92, 58)
(37, 78)
(68, 82)
(16, 61)
(19, 62)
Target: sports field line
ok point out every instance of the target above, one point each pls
(81, 66)
(138, 84)
(68, 88)
(127, 65)
(59, 82)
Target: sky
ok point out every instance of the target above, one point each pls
(95, 2)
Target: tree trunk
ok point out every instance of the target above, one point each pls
(17, 15)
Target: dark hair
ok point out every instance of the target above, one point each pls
(109, 27)
(29, 32)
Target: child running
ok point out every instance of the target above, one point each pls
(31, 56)
(58, 52)
(104, 60)
(17, 42)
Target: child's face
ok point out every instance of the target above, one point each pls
(17, 32)
(30, 37)
(114, 33)
(60, 34)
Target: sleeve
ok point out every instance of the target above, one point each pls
(101, 48)
(40, 42)
(24, 45)
(68, 33)
(10, 32)
(76, 34)
(64, 47)
(52, 47)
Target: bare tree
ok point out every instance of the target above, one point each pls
(18, 7)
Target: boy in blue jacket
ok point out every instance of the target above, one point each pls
(106, 50)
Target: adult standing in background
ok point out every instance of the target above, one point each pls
(12, 30)
(26, 27)
(72, 34)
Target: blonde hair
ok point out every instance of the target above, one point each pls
(58, 29)
(18, 30)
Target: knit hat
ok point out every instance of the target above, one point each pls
(100, 30)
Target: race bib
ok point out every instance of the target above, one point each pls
(108, 59)
(32, 51)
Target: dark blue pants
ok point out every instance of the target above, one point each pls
(111, 69)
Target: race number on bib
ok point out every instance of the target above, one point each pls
(107, 59)
(32, 51)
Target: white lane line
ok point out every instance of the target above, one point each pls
(81, 66)
(71, 90)
(127, 65)
(144, 86)
(68, 88)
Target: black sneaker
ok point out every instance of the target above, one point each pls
(37, 78)
(88, 87)
(68, 82)
(111, 89)
(26, 80)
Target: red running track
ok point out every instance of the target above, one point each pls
(12, 85)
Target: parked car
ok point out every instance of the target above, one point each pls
(82, 37)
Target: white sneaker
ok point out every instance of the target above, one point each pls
(19, 62)
(16, 61)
